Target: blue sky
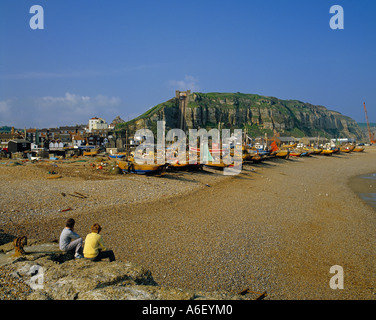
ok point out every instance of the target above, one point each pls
(118, 57)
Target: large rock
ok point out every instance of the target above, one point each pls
(52, 274)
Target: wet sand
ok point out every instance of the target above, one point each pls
(277, 227)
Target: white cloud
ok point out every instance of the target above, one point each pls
(188, 83)
(75, 108)
(53, 111)
(5, 111)
(71, 99)
(5, 106)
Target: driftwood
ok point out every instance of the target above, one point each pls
(77, 195)
(261, 295)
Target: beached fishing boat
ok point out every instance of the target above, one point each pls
(327, 152)
(282, 153)
(345, 149)
(90, 153)
(358, 149)
(313, 150)
(134, 167)
(184, 166)
(295, 153)
(289, 146)
(116, 156)
(119, 155)
(213, 165)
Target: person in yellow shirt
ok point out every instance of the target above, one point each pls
(94, 248)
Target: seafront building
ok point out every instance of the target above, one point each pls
(60, 141)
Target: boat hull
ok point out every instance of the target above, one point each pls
(134, 167)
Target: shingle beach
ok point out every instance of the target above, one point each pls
(278, 227)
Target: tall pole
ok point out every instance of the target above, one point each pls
(371, 137)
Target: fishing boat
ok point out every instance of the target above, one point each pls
(327, 152)
(175, 164)
(345, 149)
(134, 167)
(214, 165)
(295, 153)
(282, 153)
(119, 155)
(315, 150)
(289, 146)
(277, 152)
(90, 153)
(358, 149)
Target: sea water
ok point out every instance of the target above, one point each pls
(369, 197)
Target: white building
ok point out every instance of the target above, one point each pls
(78, 141)
(97, 123)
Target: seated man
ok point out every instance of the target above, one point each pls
(67, 235)
(95, 249)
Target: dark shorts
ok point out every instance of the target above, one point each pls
(103, 255)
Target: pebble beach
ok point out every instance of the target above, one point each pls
(278, 227)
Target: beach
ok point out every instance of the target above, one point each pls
(278, 227)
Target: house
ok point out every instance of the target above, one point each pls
(32, 135)
(19, 145)
(114, 122)
(78, 141)
(6, 137)
(95, 140)
(56, 145)
(97, 123)
(72, 130)
(65, 138)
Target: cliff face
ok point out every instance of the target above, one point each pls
(257, 114)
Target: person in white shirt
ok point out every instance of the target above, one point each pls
(70, 240)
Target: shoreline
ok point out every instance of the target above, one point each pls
(277, 228)
(364, 186)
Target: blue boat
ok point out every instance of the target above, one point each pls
(117, 156)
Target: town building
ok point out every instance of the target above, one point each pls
(19, 145)
(97, 123)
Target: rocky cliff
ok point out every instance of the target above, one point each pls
(257, 114)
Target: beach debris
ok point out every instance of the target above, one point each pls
(54, 177)
(78, 195)
(19, 244)
(261, 295)
(81, 195)
(208, 185)
(68, 209)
